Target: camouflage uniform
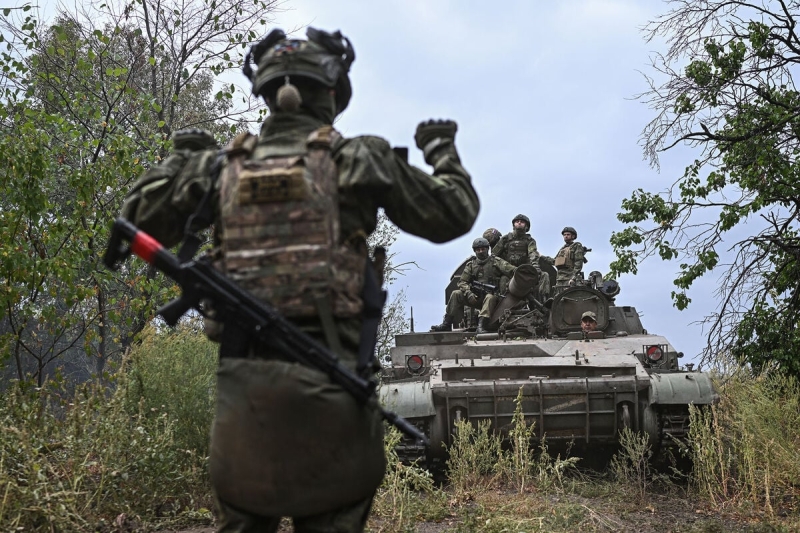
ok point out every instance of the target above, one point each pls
(569, 261)
(490, 271)
(519, 248)
(286, 440)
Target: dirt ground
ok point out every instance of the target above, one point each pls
(661, 514)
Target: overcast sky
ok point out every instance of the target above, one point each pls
(543, 93)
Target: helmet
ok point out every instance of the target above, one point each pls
(523, 218)
(492, 235)
(571, 230)
(480, 242)
(590, 315)
(325, 58)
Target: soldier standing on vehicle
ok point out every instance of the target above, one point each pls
(292, 209)
(486, 270)
(569, 260)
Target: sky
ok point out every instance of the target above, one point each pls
(544, 94)
(548, 126)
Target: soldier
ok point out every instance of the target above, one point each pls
(569, 260)
(492, 235)
(518, 248)
(291, 211)
(483, 269)
(588, 322)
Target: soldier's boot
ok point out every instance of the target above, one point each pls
(483, 326)
(446, 325)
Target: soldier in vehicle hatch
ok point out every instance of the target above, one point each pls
(487, 271)
(292, 209)
(588, 322)
(569, 260)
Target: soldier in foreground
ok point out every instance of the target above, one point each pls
(487, 271)
(569, 260)
(291, 211)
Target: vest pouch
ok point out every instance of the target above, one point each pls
(560, 261)
(260, 185)
(288, 442)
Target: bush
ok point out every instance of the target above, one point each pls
(746, 449)
(74, 462)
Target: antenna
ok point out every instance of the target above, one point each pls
(412, 319)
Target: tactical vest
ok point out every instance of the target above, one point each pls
(281, 230)
(484, 273)
(564, 258)
(517, 249)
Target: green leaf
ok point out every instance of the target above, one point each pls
(152, 61)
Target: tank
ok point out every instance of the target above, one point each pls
(577, 387)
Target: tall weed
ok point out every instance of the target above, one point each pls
(630, 466)
(407, 494)
(746, 449)
(72, 462)
(473, 456)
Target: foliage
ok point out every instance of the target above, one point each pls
(174, 372)
(87, 104)
(746, 449)
(407, 494)
(725, 88)
(393, 321)
(74, 462)
(473, 456)
(631, 464)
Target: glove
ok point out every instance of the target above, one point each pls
(472, 299)
(432, 134)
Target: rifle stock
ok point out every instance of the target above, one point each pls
(200, 281)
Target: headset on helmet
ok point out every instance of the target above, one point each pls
(324, 58)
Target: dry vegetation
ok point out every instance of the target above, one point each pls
(132, 457)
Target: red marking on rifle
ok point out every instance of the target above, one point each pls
(145, 246)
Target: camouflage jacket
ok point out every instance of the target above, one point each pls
(490, 271)
(573, 257)
(517, 250)
(438, 207)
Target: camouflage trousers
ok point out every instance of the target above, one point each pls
(458, 300)
(349, 519)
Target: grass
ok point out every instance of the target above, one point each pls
(133, 457)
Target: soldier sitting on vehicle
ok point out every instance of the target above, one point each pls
(478, 287)
(471, 315)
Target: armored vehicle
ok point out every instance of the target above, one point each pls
(576, 386)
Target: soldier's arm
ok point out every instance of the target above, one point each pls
(466, 277)
(504, 268)
(533, 254)
(164, 197)
(438, 207)
(499, 248)
(578, 259)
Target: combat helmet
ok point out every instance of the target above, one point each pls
(480, 242)
(523, 218)
(492, 235)
(569, 229)
(324, 58)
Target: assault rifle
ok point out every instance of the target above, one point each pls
(484, 288)
(200, 281)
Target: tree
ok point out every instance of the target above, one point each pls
(393, 321)
(88, 103)
(725, 88)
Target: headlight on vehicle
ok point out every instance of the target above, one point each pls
(654, 353)
(415, 363)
